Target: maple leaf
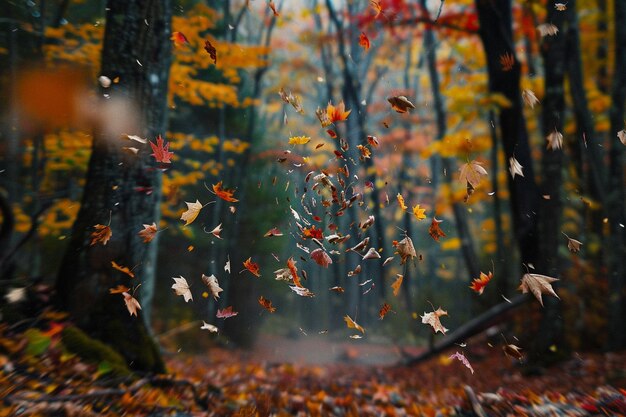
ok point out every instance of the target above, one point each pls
(252, 267)
(419, 212)
(273, 232)
(515, 168)
(132, 305)
(573, 245)
(537, 285)
(181, 287)
(119, 289)
(472, 173)
(555, 140)
(216, 231)
(209, 327)
(336, 114)
(405, 249)
(161, 151)
(224, 193)
(547, 29)
(479, 284)
(193, 209)
(365, 152)
(211, 51)
(321, 257)
(364, 41)
(299, 140)
(102, 234)
(530, 98)
(400, 104)
(507, 61)
(435, 231)
(293, 272)
(226, 313)
(179, 38)
(432, 319)
(123, 269)
(386, 308)
(396, 285)
(353, 324)
(401, 201)
(622, 136)
(214, 286)
(266, 304)
(461, 357)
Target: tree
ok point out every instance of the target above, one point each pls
(136, 52)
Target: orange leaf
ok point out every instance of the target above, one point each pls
(148, 233)
(353, 324)
(481, 282)
(396, 285)
(252, 267)
(119, 289)
(291, 264)
(179, 38)
(123, 269)
(102, 234)
(161, 151)
(364, 41)
(386, 308)
(224, 193)
(337, 114)
(266, 304)
(435, 231)
(401, 201)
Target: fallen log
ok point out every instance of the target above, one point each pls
(467, 330)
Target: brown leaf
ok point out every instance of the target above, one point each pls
(266, 304)
(472, 172)
(405, 249)
(211, 51)
(321, 257)
(513, 351)
(273, 232)
(102, 234)
(573, 245)
(386, 308)
(131, 303)
(432, 319)
(214, 286)
(537, 285)
(252, 267)
(400, 104)
(353, 324)
(123, 269)
(148, 233)
(435, 231)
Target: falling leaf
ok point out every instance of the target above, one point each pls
(432, 319)
(513, 351)
(322, 116)
(301, 291)
(537, 285)
(507, 61)
(102, 234)
(266, 304)
(273, 232)
(515, 168)
(209, 327)
(293, 272)
(367, 223)
(340, 290)
(386, 308)
(131, 303)
(353, 324)
(622, 136)
(419, 212)
(119, 289)
(252, 267)
(396, 285)
(104, 81)
(530, 98)
(130, 150)
(214, 286)
(372, 253)
(400, 104)
(388, 260)
(479, 284)
(227, 266)
(137, 139)
(321, 257)
(401, 201)
(547, 29)
(405, 249)
(435, 231)
(15, 295)
(472, 173)
(273, 7)
(463, 360)
(123, 269)
(193, 209)
(299, 140)
(573, 245)
(161, 151)
(211, 51)
(364, 151)
(179, 38)
(555, 140)
(226, 313)
(561, 7)
(225, 194)
(338, 113)
(216, 231)
(364, 41)
(181, 287)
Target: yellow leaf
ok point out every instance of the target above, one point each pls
(419, 212)
(353, 324)
(299, 140)
(401, 201)
(193, 209)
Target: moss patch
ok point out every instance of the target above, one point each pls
(93, 351)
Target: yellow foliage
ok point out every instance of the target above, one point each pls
(451, 244)
(235, 145)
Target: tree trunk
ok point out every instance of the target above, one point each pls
(496, 34)
(615, 196)
(137, 51)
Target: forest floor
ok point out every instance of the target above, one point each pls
(310, 376)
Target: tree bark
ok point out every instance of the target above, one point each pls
(137, 50)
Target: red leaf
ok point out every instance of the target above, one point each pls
(364, 41)
(226, 313)
(321, 257)
(252, 267)
(224, 193)
(161, 151)
(435, 231)
(179, 38)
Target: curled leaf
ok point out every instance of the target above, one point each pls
(353, 324)
(538, 284)
(400, 104)
(432, 319)
(321, 257)
(193, 209)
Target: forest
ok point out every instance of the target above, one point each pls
(312, 208)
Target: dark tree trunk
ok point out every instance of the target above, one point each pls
(137, 50)
(554, 51)
(616, 196)
(496, 34)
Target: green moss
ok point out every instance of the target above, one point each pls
(93, 351)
